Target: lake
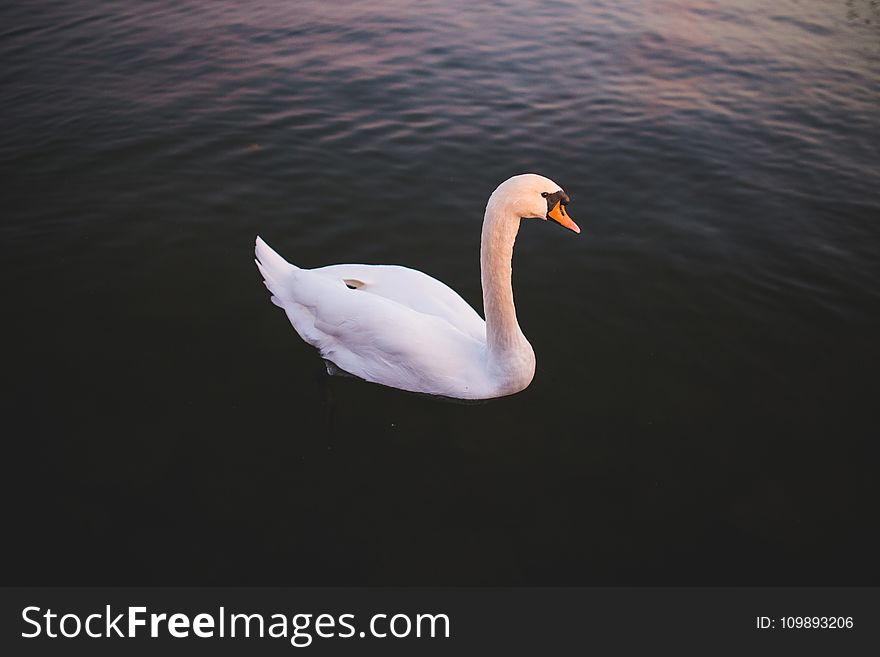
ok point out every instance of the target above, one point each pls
(705, 407)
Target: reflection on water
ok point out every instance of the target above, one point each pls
(703, 408)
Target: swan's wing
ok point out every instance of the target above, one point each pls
(410, 288)
(385, 342)
(374, 336)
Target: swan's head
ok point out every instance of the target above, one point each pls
(535, 197)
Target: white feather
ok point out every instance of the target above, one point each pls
(402, 328)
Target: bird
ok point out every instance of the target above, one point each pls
(402, 328)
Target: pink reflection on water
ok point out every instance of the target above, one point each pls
(699, 55)
(669, 56)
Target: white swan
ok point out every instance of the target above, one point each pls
(399, 327)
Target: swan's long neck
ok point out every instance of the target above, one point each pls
(508, 347)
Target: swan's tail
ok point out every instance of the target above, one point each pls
(276, 270)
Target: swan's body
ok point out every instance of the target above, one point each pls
(402, 328)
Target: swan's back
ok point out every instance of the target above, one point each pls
(410, 288)
(383, 323)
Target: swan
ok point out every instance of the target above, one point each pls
(400, 327)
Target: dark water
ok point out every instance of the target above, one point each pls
(705, 406)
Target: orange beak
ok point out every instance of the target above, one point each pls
(559, 215)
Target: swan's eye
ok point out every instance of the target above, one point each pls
(554, 198)
(545, 194)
